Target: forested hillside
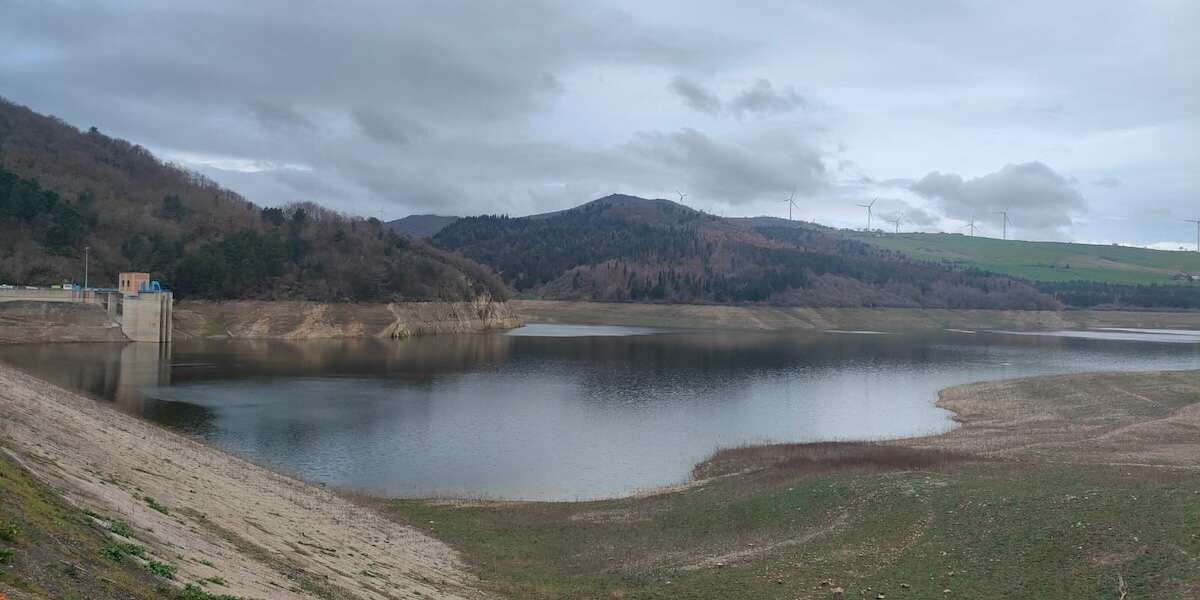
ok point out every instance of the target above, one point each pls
(622, 248)
(420, 226)
(62, 189)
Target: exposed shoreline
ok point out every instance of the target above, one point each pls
(295, 320)
(781, 318)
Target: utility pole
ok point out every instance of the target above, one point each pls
(86, 250)
(1197, 222)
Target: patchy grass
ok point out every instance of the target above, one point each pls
(863, 518)
(154, 504)
(120, 528)
(161, 569)
(57, 551)
(121, 550)
(194, 592)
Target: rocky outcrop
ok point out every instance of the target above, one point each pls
(311, 320)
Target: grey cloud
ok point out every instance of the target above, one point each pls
(516, 106)
(696, 96)
(278, 117)
(760, 99)
(733, 173)
(387, 128)
(763, 99)
(1036, 197)
(1108, 182)
(888, 210)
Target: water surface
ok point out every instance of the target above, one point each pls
(559, 412)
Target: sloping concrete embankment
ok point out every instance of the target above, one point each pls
(213, 515)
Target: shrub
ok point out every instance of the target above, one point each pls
(120, 528)
(9, 531)
(193, 592)
(161, 569)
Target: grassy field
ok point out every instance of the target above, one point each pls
(1045, 261)
(1082, 486)
(974, 530)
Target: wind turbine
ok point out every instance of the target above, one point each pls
(1197, 222)
(972, 226)
(896, 221)
(681, 196)
(1005, 213)
(868, 207)
(791, 200)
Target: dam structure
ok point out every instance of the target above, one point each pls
(140, 307)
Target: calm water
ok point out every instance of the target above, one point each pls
(561, 412)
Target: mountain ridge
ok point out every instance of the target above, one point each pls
(625, 248)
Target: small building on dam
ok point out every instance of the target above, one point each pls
(144, 309)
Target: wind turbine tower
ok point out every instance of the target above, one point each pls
(791, 200)
(681, 196)
(896, 221)
(1005, 229)
(868, 207)
(1197, 222)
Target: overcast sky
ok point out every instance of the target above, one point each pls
(1082, 119)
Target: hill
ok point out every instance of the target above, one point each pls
(624, 248)
(420, 226)
(62, 190)
(1047, 261)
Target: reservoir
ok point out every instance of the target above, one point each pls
(562, 412)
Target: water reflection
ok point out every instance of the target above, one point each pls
(555, 417)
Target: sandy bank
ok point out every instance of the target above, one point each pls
(762, 318)
(1150, 419)
(1131, 419)
(311, 320)
(264, 534)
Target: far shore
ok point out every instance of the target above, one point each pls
(782, 318)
